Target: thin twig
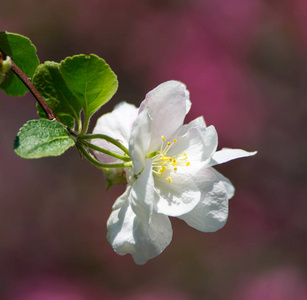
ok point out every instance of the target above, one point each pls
(27, 82)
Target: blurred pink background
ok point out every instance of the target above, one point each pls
(244, 63)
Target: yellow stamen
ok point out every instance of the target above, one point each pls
(163, 158)
(164, 164)
(161, 169)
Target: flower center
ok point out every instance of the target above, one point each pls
(163, 164)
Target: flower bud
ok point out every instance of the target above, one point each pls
(5, 66)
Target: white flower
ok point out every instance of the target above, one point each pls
(172, 172)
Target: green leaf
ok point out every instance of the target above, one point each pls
(23, 53)
(82, 82)
(90, 79)
(51, 85)
(40, 138)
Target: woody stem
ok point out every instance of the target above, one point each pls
(27, 82)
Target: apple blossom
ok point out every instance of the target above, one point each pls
(172, 172)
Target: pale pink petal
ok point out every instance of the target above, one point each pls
(128, 233)
(227, 154)
(198, 143)
(211, 213)
(178, 197)
(143, 195)
(139, 140)
(167, 105)
(116, 124)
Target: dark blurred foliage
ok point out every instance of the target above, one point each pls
(244, 63)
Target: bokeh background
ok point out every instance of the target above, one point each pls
(244, 63)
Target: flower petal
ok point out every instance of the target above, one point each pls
(198, 143)
(117, 125)
(230, 189)
(227, 154)
(178, 197)
(122, 199)
(143, 196)
(196, 123)
(167, 105)
(211, 213)
(139, 140)
(128, 233)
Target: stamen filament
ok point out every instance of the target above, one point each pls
(162, 162)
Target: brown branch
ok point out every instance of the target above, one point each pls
(27, 82)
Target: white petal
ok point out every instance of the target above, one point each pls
(196, 123)
(168, 105)
(128, 233)
(143, 192)
(211, 213)
(178, 197)
(227, 154)
(198, 143)
(123, 199)
(230, 189)
(117, 125)
(210, 140)
(209, 175)
(139, 140)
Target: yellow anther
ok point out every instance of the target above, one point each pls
(161, 169)
(163, 158)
